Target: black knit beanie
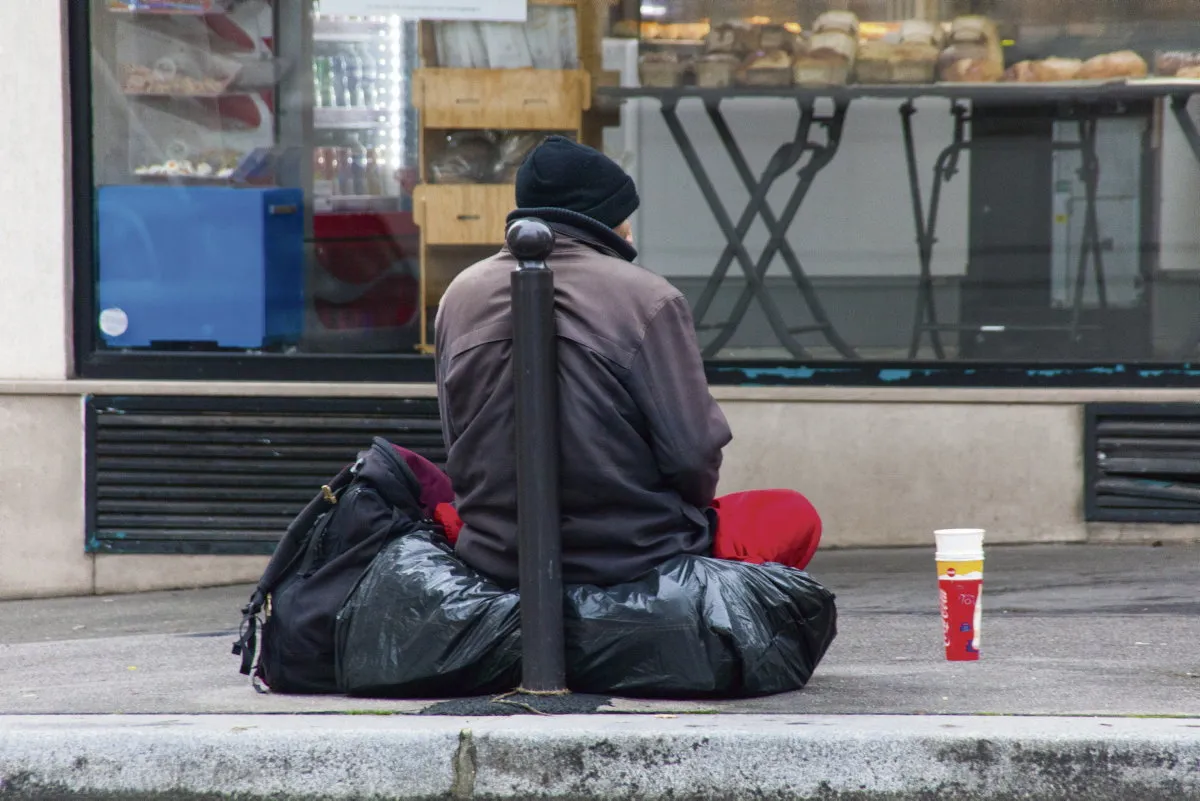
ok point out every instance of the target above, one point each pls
(564, 175)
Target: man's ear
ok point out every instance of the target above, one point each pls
(625, 231)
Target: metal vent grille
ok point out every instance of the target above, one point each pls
(227, 475)
(1142, 463)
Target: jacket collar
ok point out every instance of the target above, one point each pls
(592, 233)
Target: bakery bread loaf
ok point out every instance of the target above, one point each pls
(970, 63)
(720, 39)
(884, 62)
(1122, 64)
(972, 70)
(772, 68)
(1048, 70)
(777, 37)
(661, 70)
(842, 21)
(716, 71)
(774, 59)
(919, 31)
(833, 45)
(1021, 72)
(738, 38)
(973, 29)
(1170, 63)
(1189, 73)
(974, 54)
(809, 71)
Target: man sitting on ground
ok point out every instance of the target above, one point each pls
(641, 436)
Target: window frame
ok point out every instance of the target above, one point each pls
(91, 362)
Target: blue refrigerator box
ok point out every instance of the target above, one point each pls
(200, 265)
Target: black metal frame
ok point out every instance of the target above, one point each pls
(92, 362)
(1093, 512)
(785, 158)
(925, 319)
(89, 362)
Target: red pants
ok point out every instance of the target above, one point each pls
(758, 526)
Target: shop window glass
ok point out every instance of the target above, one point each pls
(265, 183)
(254, 164)
(1066, 227)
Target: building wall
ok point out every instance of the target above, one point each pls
(35, 255)
(883, 467)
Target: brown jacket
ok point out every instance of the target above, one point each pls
(641, 436)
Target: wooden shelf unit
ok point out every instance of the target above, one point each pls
(464, 223)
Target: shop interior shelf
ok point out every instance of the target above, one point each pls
(352, 119)
(168, 10)
(505, 99)
(1079, 91)
(326, 29)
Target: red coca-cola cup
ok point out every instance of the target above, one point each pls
(960, 589)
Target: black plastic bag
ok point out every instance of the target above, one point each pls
(699, 627)
(422, 624)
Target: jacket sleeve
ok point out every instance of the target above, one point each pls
(439, 354)
(687, 428)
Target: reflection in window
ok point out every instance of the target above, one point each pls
(253, 169)
(1001, 180)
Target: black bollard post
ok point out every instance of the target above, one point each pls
(535, 374)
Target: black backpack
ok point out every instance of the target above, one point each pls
(318, 563)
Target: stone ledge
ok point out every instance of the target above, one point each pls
(286, 389)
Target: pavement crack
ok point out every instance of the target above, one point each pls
(464, 766)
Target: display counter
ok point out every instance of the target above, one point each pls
(1052, 105)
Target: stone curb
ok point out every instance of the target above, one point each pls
(831, 758)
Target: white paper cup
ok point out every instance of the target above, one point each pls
(959, 543)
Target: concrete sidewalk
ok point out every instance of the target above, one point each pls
(1069, 633)
(1081, 630)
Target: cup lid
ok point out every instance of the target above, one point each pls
(959, 540)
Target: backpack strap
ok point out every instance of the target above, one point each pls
(287, 553)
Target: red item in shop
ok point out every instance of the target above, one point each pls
(759, 526)
(397, 225)
(363, 251)
(391, 303)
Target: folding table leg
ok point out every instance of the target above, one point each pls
(1179, 105)
(822, 321)
(945, 168)
(781, 161)
(684, 143)
(1089, 172)
(820, 158)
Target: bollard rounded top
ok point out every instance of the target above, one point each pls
(530, 239)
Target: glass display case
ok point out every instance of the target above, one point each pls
(1052, 208)
(837, 42)
(390, 146)
(253, 162)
